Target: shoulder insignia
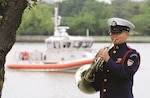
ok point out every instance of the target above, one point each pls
(132, 55)
(130, 62)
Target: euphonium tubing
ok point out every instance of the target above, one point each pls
(86, 74)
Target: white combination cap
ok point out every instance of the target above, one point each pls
(121, 22)
(118, 24)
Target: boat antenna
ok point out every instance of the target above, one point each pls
(56, 20)
(87, 32)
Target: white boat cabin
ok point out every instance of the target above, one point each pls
(68, 42)
(67, 48)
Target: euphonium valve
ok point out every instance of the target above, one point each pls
(97, 64)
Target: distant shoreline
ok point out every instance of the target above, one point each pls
(97, 39)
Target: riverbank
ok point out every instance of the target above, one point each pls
(132, 39)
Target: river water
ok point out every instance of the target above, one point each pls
(46, 84)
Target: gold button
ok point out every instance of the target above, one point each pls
(105, 80)
(104, 90)
(107, 70)
(117, 47)
(114, 51)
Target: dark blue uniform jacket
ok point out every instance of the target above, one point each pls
(116, 79)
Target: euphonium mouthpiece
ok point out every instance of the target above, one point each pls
(114, 39)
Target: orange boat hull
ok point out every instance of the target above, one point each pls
(50, 66)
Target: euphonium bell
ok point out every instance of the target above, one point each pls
(81, 83)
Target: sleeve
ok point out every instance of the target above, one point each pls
(129, 67)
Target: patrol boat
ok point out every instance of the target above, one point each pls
(64, 52)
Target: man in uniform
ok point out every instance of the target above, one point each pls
(115, 79)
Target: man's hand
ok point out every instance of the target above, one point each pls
(104, 55)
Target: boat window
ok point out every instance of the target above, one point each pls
(56, 44)
(90, 45)
(77, 44)
(49, 45)
(66, 44)
(86, 44)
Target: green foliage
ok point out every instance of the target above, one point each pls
(93, 17)
(71, 7)
(2, 7)
(81, 23)
(3, 3)
(142, 24)
(32, 3)
(81, 15)
(37, 21)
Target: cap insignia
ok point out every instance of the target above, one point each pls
(113, 23)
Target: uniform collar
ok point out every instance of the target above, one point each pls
(120, 46)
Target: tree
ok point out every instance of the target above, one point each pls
(80, 15)
(119, 8)
(96, 14)
(142, 20)
(71, 7)
(80, 24)
(11, 12)
(37, 21)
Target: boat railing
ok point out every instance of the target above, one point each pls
(27, 56)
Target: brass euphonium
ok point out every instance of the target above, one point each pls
(86, 74)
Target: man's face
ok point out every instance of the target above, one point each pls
(119, 38)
